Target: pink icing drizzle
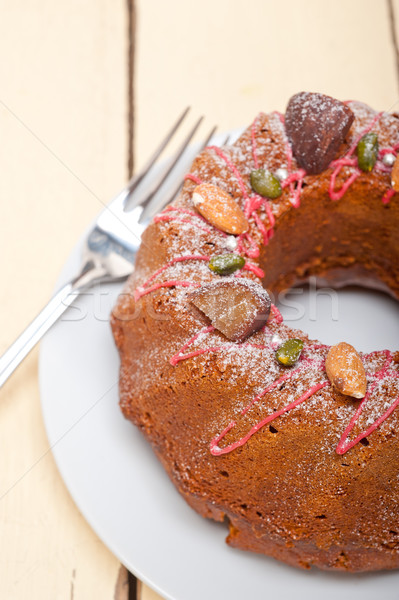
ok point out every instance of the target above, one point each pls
(254, 269)
(248, 246)
(176, 358)
(139, 292)
(348, 161)
(388, 195)
(163, 216)
(278, 317)
(144, 289)
(344, 445)
(179, 356)
(193, 178)
(337, 165)
(295, 177)
(215, 448)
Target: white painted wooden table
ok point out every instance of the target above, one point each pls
(66, 116)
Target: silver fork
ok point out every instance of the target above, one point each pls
(110, 247)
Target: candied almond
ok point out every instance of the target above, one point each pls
(219, 208)
(395, 175)
(345, 370)
(236, 307)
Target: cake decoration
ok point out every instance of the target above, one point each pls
(289, 352)
(349, 161)
(226, 264)
(219, 208)
(231, 242)
(236, 307)
(272, 447)
(281, 173)
(345, 370)
(316, 125)
(386, 374)
(265, 184)
(395, 175)
(388, 159)
(367, 151)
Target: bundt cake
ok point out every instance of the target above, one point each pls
(293, 443)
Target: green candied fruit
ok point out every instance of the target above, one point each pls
(265, 184)
(226, 264)
(367, 152)
(289, 352)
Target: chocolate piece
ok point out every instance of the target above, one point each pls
(236, 307)
(316, 126)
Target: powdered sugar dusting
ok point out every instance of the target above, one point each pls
(188, 235)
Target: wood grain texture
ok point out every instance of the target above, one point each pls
(393, 10)
(131, 33)
(63, 152)
(146, 593)
(230, 61)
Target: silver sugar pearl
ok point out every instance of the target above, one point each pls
(281, 173)
(276, 340)
(231, 243)
(388, 159)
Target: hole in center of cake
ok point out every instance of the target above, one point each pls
(367, 319)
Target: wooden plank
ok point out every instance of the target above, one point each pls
(230, 63)
(393, 16)
(63, 117)
(63, 152)
(146, 593)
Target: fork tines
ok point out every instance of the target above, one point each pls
(165, 177)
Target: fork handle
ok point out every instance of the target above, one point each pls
(35, 331)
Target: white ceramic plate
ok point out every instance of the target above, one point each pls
(122, 490)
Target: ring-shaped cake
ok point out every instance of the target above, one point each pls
(301, 468)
